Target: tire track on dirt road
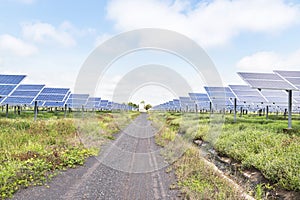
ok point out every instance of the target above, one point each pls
(128, 168)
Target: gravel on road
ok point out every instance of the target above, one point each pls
(129, 167)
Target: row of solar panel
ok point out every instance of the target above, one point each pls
(12, 93)
(275, 86)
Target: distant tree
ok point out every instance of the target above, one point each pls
(133, 105)
(148, 106)
(143, 102)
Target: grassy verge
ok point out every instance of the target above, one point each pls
(195, 177)
(198, 180)
(31, 152)
(253, 141)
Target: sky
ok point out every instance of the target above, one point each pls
(50, 40)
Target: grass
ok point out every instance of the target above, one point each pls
(32, 152)
(253, 141)
(195, 177)
(198, 180)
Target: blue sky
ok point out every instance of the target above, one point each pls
(49, 40)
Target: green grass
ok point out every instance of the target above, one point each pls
(253, 140)
(199, 181)
(31, 152)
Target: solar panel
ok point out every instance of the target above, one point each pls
(53, 97)
(61, 91)
(6, 89)
(93, 102)
(266, 81)
(79, 96)
(220, 96)
(193, 96)
(8, 83)
(18, 93)
(291, 76)
(18, 101)
(11, 79)
(103, 104)
(77, 100)
(275, 96)
(23, 94)
(296, 96)
(246, 94)
(30, 87)
(259, 76)
(50, 97)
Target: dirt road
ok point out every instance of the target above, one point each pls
(130, 167)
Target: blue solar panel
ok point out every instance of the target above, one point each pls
(219, 92)
(185, 99)
(18, 101)
(93, 102)
(30, 87)
(79, 96)
(294, 81)
(11, 79)
(77, 100)
(103, 103)
(240, 87)
(259, 76)
(276, 100)
(275, 96)
(246, 94)
(53, 96)
(266, 81)
(63, 91)
(270, 84)
(47, 97)
(18, 93)
(290, 74)
(6, 89)
(23, 94)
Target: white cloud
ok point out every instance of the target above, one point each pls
(46, 33)
(269, 61)
(210, 23)
(16, 46)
